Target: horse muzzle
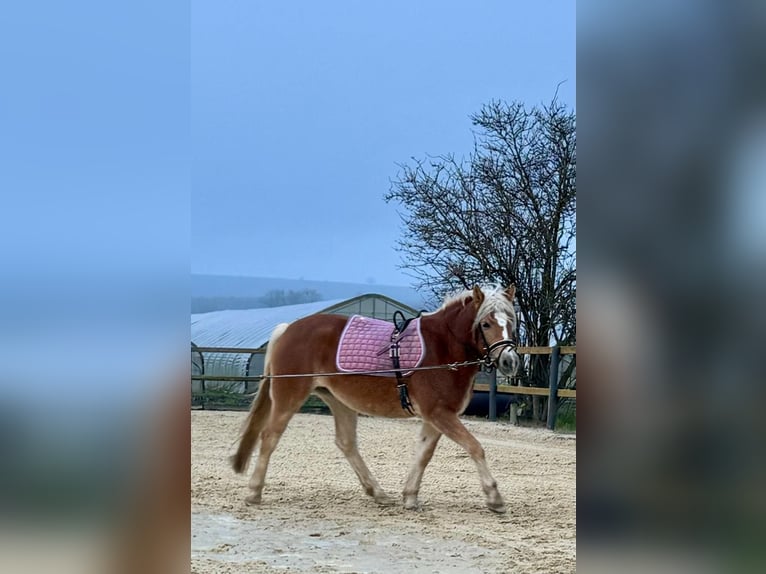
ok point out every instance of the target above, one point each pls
(503, 356)
(508, 362)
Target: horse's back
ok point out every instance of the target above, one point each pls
(309, 345)
(318, 327)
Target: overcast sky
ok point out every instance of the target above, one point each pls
(301, 111)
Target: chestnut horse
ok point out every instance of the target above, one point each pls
(468, 327)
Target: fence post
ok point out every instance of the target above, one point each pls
(493, 396)
(553, 387)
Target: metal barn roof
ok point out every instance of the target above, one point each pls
(249, 328)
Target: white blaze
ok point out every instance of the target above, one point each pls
(502, 320)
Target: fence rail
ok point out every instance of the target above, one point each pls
(234, 350)
(516, 390)
(553, 392)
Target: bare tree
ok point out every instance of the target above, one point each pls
(505, 215)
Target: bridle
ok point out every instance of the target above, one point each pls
(502, 343)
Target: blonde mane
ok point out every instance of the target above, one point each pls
(494, 301)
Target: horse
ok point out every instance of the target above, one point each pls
(470, 327)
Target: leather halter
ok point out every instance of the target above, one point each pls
(504, 343)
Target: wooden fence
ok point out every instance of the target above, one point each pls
(553, 392)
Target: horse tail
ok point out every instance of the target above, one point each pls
(259, 410)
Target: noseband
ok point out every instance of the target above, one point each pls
(502, 343)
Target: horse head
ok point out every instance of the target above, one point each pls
(494, 327)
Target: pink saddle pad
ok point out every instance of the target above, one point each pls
(364, 346)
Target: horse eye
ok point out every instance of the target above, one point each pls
(485, 325)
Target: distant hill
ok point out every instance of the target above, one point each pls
(217, 292)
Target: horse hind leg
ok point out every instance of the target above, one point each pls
(450, 425)
(427, 441)
(345, 439)
(286, 399)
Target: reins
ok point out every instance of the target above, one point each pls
(446, 366)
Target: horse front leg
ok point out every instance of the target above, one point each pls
(426, 445)
(449, 424)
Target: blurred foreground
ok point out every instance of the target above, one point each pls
(673, 270)
(102, 491)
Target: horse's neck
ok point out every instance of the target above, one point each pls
(451, 326)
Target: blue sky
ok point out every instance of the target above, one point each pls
(300, 112)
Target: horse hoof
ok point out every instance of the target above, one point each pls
(497, 507)
(413, 506)
(253, 499)
(385, 500)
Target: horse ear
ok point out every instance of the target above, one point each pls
(510, 292)
(478, 296)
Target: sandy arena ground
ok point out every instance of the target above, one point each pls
(315, 518)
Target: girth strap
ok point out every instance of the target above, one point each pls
(401, 384)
